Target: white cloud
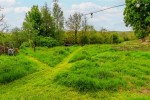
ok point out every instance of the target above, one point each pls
(7, 10)
(89, 6)
(7, 2)
(107, 19)
(21, 9)
(15, 10)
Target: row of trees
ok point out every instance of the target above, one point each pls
(44, 22)
(136, 15)
(43, 27)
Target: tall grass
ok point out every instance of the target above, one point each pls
(50, 56)
(15, 67)
(89, 76)
(102, 68)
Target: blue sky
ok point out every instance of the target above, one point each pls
(112, 19)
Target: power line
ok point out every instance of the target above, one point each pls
(91, 13)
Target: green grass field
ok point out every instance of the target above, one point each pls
(90, 72)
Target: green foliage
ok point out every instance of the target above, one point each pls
(47, 41)
(74, 24)
(51, 56)
(98, 67)
(84, 40)
(96, 38)
(149, 37)
(33, 21)
(102, 72)
(88, 76)
(59, 21)
(93, 37)
(24, 45)
(18, 37)
(48, 25)
(136, 15)
(13, 68)
(115, 38)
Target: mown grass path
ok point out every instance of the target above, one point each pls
(37, 82)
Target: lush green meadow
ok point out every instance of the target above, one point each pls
(90, 72)
(12, 68)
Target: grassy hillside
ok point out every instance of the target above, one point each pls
(91, 72)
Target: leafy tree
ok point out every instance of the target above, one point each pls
(137, 15)
(74, 23)
(48, 25)
(32, 25)
(59, 20)
(18, 36)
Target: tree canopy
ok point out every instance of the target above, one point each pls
(48, 25)
(137, 16)
(74, 23)
(59, 19)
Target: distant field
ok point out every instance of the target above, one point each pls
(90, 72)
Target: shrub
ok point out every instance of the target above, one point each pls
(96, 39)
(47, 41)
(115, 38)
(24, 45)
(84, 39)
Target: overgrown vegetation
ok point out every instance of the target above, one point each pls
(13, 68)
(136, 14)
(51, 56)
(87, 72)
(109, 65)
(104, 68)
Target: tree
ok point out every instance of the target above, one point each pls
(48, 25)
(18, 37)
(74, 23)
(103, 30)
(84, 24)
(59, 19)
(32, 25)
(3, 25)
(137, 15)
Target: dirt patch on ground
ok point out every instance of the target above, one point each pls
(145, 91)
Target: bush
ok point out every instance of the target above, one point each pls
(115, 38)
(24, 45)
(84, 40)
(96, 39)
(47, 41)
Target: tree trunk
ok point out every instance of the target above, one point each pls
(75, 36)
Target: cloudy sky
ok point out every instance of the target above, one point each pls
(112, 19)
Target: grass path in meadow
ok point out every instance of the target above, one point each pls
(61, 66)
(36, 82)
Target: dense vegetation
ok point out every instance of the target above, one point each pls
(43, 27)
(79, 63)
(119, 71)
(51, 56)
(136, 14)
(104, 68)
(12, 68)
